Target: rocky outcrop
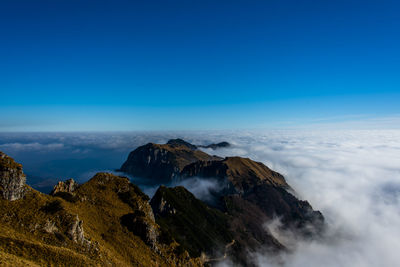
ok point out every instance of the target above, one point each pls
(12, 178)
(75, 231)
(68, 186)
(160, 164)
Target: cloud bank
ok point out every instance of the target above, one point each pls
(352, 177)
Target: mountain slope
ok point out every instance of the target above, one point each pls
(105, 222)
(257, 184)
(208, 232)
(197, 227)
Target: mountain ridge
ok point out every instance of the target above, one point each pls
(109, 221)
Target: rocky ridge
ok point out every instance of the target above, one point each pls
(108, 222)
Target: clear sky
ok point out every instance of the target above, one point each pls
(70, 65)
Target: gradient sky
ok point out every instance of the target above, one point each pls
(176, 65)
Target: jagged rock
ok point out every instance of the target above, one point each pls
(69, 186)
(161, 163)
(12, 179)
(75, 231)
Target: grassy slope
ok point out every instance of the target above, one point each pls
(99, 206)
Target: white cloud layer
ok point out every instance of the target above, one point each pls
(353, 177)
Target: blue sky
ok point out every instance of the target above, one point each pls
(177, 65)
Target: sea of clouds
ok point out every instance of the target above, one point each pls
(352, 177)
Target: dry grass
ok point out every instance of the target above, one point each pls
(99, 205)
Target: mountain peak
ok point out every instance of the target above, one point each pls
(161, 163)
(180, 142)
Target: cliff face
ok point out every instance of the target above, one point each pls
(161, 163)
(12, 179)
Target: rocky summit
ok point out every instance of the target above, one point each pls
(109, 221)
(162, 163)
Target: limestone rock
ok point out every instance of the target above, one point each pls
(50, 227)
(69, 186)
(12, 179)
(75, 231)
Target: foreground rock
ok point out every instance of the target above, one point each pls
(12, 178)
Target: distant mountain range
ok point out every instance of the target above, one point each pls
(109, 221)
